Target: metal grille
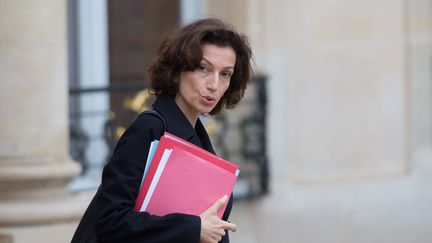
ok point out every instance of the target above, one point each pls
(238, 135)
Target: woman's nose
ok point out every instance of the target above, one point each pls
(213, 82)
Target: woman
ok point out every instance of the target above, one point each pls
(202, 68)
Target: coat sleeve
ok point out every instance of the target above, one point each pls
(117, 221)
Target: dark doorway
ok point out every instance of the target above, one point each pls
(136, 28)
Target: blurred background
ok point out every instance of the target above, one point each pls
(333, 137)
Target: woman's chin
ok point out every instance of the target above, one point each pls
(206, 108)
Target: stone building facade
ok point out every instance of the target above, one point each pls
(349, 131)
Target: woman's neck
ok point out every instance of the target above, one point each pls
(191, 115)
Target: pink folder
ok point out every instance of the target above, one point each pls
(187, 184)
(167, 142)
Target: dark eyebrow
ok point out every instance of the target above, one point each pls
(211, 64)
(207, 61)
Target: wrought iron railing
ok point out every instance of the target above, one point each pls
(247, 125)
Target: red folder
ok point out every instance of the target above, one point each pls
(187, 184)
(200, 152)
(169, 141)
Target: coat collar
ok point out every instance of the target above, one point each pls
(178, 124)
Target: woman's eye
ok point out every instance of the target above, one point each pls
(202, 68)
(226, 75)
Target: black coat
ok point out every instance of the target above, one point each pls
(110, 216)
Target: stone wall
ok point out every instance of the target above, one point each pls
(349, 120)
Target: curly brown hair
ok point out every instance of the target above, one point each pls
(182, 51)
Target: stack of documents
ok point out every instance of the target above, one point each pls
(180, 177)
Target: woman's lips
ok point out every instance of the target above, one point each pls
(208, 100)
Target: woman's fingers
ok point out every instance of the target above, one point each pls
(219, 204)
(212, 227)
(229, 226)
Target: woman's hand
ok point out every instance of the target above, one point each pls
(212, 227)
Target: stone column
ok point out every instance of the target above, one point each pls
(34, 159)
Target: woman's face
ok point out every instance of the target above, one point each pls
(201, 89)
